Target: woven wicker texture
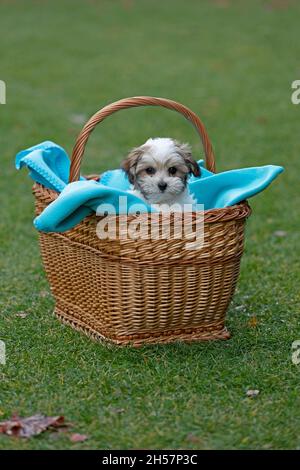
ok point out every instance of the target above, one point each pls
(144, 291)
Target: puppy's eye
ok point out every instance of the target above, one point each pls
(172, 170)
(150, 170)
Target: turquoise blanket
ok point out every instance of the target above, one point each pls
(49, 165)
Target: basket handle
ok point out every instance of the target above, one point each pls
(133, 102)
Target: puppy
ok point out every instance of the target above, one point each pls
(158, 171)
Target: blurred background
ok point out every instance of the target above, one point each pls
(231, 61)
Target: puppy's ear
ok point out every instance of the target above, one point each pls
(185, 151)
(130, 162)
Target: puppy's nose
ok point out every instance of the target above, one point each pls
(162, 186)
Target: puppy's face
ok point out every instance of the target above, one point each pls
(159, 169)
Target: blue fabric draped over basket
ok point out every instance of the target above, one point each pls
(49, 165)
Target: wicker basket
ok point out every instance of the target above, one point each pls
(144, 291)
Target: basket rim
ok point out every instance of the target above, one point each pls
(241, 210)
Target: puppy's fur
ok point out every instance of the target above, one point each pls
(158, 171)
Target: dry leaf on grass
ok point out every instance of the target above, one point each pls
(240, 307)
(278, 4)
(78, 437)
(253, 322)
(252, 393)
(193, 438)
(117, 410)
(280, 233)
(44, 293)
(31, 426)
(22, 314)
(262, 119)
(222, 3)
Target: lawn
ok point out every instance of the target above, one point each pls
(233, 63)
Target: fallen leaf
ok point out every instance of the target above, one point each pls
(44, 293)
(22, 314)
(222, 3)
(117, 410)
(278, 4)
(252, 393)
(253, 322)
(193, 439)
(262, 120)
(31, 426)
(240, 307)
(280, 233)
(267, 446)
(127, 4)
(78, 437)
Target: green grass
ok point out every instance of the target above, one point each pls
(233, 63)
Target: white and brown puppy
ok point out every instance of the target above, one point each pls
(158, 171)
